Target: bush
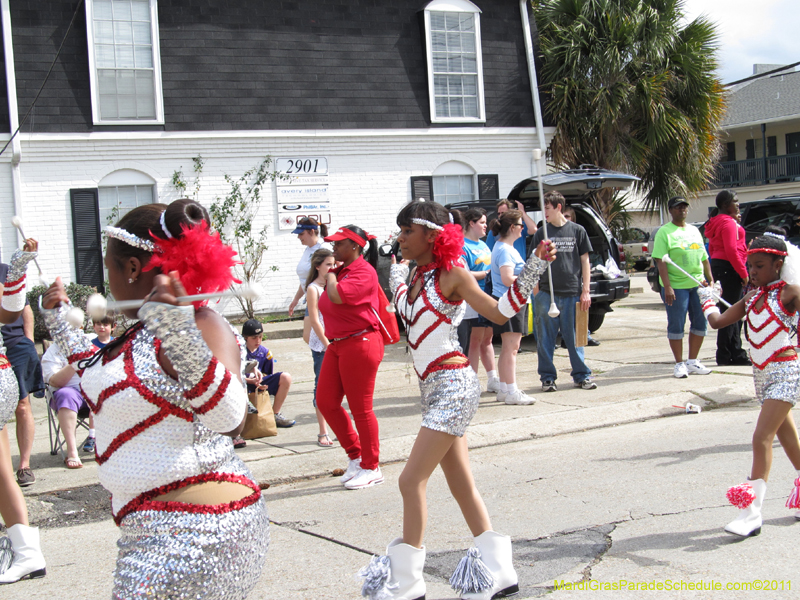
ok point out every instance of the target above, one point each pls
(78, 295)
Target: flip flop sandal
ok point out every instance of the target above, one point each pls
(73, 463)
(319, 440)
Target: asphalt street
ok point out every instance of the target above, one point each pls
(614, 486)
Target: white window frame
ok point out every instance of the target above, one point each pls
(457, 6)
(157, 87)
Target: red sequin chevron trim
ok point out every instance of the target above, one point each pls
(202, 385)
(145, 500)
(774, 358)
(9, 285)
(212, 402)
(437, 365)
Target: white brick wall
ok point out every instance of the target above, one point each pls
(368, 179)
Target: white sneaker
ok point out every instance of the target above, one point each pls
(365, 478)
(352, 470)
(519, 397)
(493, 385)
(696, 368)
(680, 371)
(501, 396)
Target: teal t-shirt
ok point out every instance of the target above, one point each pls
(685, 247)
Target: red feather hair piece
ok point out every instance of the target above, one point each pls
(448, 246)
(202, 260)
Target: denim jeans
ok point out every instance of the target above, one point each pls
(317, 357)
(686, 302)
(547, 329)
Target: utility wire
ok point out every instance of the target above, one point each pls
(46, 77)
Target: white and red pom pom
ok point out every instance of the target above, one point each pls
(741, 496)
(794, 497)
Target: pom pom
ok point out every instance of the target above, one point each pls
(376, 578)
(790, 271)
(794, 497)
(203, 262)
(471, 576)
(75, 318)
(96, 307)
(448, 246)
(741, 496)
(6, 554)
(16, 222)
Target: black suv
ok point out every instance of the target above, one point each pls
(578, 187)
(781, 211)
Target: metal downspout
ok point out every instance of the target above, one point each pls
(13, 112)
(537, 107)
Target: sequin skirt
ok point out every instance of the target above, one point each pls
(9, 392)
(181, 555)
(450, 400)
(778, 380)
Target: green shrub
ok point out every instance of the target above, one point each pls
(77, 294)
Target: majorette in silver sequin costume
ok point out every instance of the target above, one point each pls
(450, 392)
(768, 329)
(156, 435)
(13, 301)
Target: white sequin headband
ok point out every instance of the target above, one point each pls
(130, 239)
(428, 224)
(775, 235)
(164, 226)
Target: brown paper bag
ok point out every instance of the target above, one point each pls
(581, 326)
(261, 424)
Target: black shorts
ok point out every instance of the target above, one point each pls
(515, 324)
(25, 364)
(479, 321)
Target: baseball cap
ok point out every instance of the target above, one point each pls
(301, 227)
(252, 327)
(677, 201)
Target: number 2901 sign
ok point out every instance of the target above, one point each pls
(302, 166)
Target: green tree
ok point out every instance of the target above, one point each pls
(632, 87)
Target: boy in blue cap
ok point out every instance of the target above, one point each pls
(263, 377)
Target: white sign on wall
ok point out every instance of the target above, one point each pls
(304, 193)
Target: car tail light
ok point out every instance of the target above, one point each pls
(621, 252)
(644, 247)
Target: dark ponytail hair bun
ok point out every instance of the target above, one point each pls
(182, 214)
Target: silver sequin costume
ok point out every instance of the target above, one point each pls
(155, 435)
(768, 329)
(13, 301)
(450, 392)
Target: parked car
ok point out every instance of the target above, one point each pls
(781, 211)
(635, 245)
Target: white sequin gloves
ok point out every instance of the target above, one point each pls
(398, 275)
(707, 300)
(72, 342)
(14, 287)
(215, 395)
(517, 295)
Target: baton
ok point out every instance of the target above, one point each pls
(669, 261)
(540, 167)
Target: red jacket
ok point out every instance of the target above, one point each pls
(726, 241)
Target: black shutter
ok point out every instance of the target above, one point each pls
(422, 187)
(86, 237)
(731, 151)
(750, 148)
(772, 146)
(488, 187)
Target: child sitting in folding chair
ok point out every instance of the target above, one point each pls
(67, 400)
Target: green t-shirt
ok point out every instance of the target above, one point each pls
(686, 249)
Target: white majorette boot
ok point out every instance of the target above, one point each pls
(28, 561)
(748, 497)
(486, 571)
(396, 576)
(794, 498)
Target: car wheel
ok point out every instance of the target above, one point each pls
(641, 266)
(596, 320)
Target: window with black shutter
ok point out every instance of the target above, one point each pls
(86, 237)
(488, 187)
(422, 187)
(750, 149)
(772, 145)
(730, 148)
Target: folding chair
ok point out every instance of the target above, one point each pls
(57, 443)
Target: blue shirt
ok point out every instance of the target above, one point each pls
(478, 257)
(520, 245)
(264, 358)
(504, 255)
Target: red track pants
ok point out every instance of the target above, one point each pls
(349, 369)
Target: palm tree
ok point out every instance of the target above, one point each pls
(632, 87)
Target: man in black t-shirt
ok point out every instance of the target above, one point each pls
(570, 285)
(21, 352)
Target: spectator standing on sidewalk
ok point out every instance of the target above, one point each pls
(570, 285)
(308, 231)
(727, 249)
(528, 226)
(684, 246)
(21, 352)
(569, 215)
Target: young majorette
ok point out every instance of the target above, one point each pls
(28, 561)
(770, 314)
(167, 397)
(431, 308)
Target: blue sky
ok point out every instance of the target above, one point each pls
(760, 31)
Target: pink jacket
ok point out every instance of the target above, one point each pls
(726, 241)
